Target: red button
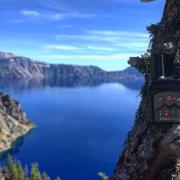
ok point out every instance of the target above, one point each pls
(169, 98)
(166, 114)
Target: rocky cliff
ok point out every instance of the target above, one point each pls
(13, 122)
(152, 151)
(15, 67)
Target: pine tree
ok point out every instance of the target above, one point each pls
(20, 173)
(11, 166)
(103, 176)
(58, 178)
(10, 163)
(45, 176)
(35, 174)
(13, 173)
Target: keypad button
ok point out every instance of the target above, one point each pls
(160, 99)
(169, 98)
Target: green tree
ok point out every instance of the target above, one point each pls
(35, 174)
(10, 163)
(103, 176)
(58, 178)
(20, 173)
(16, 172)
(11, 166)
(13, 173)
(45, 176)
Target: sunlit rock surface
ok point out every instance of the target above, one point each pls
(13, 122)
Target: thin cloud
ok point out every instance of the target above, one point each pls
(82, 49)
(109, 40)
(55, 16)
(109, 36)
(106, 45)
(138, 45)
(81, 15)
(49, 16)
(116, 33)
(62, 47)
(30, 13)
(118, 57)
(101, 48)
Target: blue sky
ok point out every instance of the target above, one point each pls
(86, 32)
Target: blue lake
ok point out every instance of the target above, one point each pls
(80, 130)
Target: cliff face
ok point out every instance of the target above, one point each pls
(152, 151)
(168, 30)
(14, 67)
(13, 122)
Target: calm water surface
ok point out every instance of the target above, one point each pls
(80, 130)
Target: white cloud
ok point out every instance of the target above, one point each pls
(43, 15)
(109, 41)
(82, 49)
(81, 15)
(62, 47)
(138, 45)
(108, 36)
(30, 13)
(101, 45)
(91, 57)
(101, 48)
(117, 33)
(49, 15)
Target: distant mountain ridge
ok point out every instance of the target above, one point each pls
(17, 67)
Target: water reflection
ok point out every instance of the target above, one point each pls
(67, 82)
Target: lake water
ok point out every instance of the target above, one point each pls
(80, 130)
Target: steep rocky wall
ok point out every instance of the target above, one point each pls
(152, 151)
(168, 30)
(13, 122)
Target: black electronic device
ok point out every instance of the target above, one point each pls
(165, 101)
(164, 89)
